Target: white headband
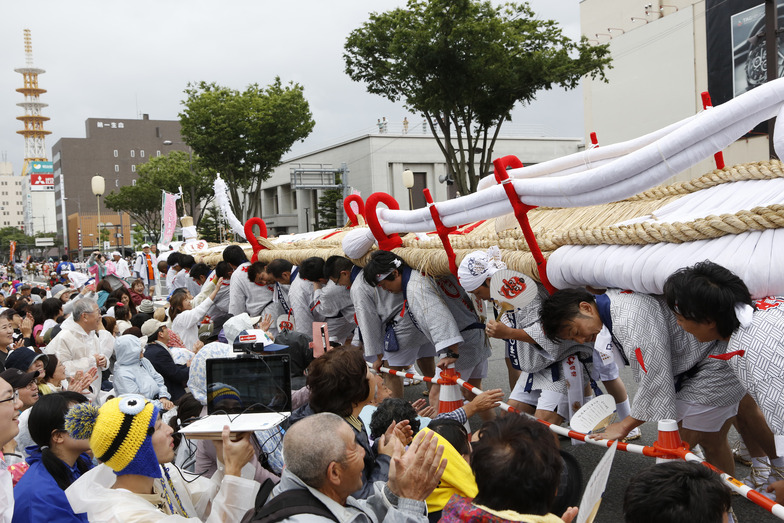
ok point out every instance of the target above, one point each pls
(477, 266)
(382, 277)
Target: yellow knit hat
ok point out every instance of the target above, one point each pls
(119, 432)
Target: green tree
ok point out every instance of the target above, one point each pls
(9, 234)
(137, 235)
(243, 135)
(168, 173)
(328, 210)
(465, 64)
(210, 225)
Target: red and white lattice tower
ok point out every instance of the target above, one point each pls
(33, 132)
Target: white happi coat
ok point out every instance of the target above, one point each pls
(538, 359)
(302, 300)
(761, 367)
(374, 308)
(444, 313)
(663, 356)
(247, 296)
(333, 302)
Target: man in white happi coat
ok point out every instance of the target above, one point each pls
(441, 310)
(541, 374)
(121, 268)
(713, 304)
(676, 378)
(254, 296)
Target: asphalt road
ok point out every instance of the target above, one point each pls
(625, 465)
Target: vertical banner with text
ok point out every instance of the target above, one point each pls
(13, 250)
(168, 217)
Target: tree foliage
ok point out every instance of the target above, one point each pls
(168, 173)
(328, 208)
(243, 135)
(210, 225)
(465, 64)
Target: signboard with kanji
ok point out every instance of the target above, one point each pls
(41, 176)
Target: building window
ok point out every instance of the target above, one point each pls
(157, 153)
(133, 153)
(116, 168)
(133, 168)
(116, 153)
(141, 153)
(120, 125)
(18, 183)
(133, 182)
(294, 200)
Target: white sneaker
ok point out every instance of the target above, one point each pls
(411, 381)
(633, 434)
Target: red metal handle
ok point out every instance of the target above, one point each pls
(385, 242)
(251, 237)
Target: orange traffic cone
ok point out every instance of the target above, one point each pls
(450, 397)
(669, 438)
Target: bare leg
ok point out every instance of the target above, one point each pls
(717, 448)
(428, 368)
(754, 429)
(550, 417)
(394, 383)
(522, 407)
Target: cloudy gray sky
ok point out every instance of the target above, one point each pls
(119, 59)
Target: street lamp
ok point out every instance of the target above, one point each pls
(190, 168)
(98, 186)
(408, 183)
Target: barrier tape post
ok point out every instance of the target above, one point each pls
(658, 450)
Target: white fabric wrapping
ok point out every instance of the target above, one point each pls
(644, 268)
(596, 176)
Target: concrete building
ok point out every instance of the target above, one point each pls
(11, 201)
(117, 227)
(662, 62)
(375, 162)
(112, 148)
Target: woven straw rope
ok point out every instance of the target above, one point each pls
(555, 227)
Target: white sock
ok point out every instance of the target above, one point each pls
(623, 409)
(759, 463)
(777, 462)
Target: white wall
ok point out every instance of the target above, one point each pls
(659, 71)
(376, 163)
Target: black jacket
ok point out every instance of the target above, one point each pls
(174, 376)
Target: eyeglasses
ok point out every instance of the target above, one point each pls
(14, 397)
